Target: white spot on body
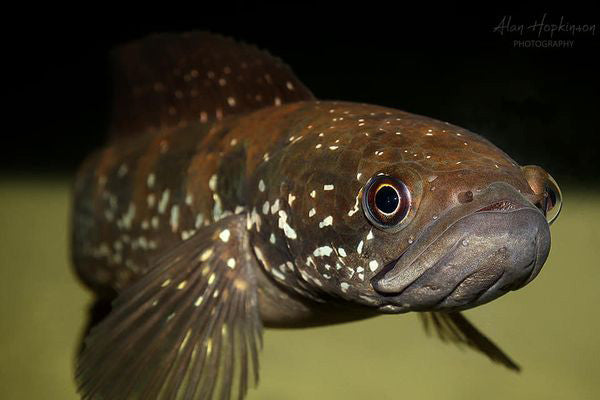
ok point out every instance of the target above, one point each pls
(373, 265)
(231, 263)
(218, 208)
(291, 199)
(206, 254)
(359, 247)
(342, 251)
(212, 182)
(224, 235)
(127, 218)
(323, 251)
(199, 220)
(109, 215)
(344, 286)
(278, 274)
(174, 218)
(354, 209)
(122, 170)
(328, 187)
(326, 222)
(287, 229)
(261, 185)
(275, 207)
(252, 219)
(164, 200)
(185, 235)
(312, 212)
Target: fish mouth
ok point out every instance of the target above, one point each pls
(468, 257)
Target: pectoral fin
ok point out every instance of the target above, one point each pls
(189, 329)
(454, 327)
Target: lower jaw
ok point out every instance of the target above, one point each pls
(457, 301)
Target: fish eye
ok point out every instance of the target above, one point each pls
(386, 201)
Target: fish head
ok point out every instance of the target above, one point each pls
(420, 214)
(482, 235)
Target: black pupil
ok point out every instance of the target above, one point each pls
(386, 199)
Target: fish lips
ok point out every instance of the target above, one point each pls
(464, 261)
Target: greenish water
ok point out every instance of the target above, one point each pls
(551, 327)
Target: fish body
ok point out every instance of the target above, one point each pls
(241, 210)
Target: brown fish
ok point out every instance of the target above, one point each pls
(229, 199)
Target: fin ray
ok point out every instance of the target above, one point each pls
(171, 80)
(182, 331)
(454, 327)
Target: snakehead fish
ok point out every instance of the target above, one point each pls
(229, 199)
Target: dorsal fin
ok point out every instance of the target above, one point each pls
(170, 80)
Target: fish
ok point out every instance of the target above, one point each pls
(228, 199)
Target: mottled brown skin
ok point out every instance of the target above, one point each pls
(439, 162)
(256, 217)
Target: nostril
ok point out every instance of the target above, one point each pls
(465, 197)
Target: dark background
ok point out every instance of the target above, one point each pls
(541, 105)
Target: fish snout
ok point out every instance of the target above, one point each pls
(478, 258)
